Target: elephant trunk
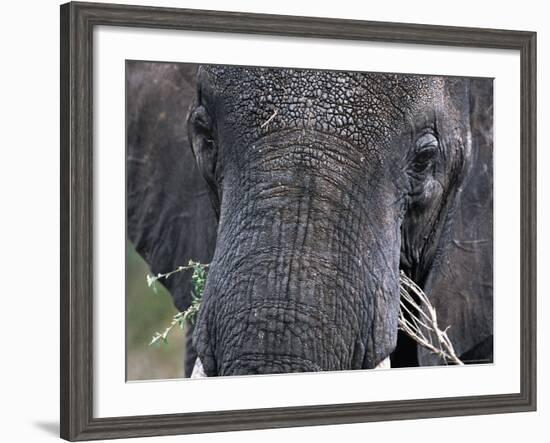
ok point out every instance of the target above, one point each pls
(298, 282)
(278, 309)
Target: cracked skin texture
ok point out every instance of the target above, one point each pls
(315, 170)
(355, 106)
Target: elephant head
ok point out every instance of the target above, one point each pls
(323, 185)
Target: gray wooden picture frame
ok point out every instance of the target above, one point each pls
(77, 24)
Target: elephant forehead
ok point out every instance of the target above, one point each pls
(359, 106)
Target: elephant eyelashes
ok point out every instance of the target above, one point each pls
(427, 148)
(423, 160)
(201, 137)
(202, 124)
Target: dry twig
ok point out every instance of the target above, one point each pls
(418, 317)
(268, 121)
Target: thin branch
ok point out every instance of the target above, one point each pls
(268, 121)
(198, 281)
(151, 279)
(413, 299)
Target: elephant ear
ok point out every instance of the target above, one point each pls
(170, 218)
(461, 286)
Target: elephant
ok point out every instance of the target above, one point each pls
(308, 192)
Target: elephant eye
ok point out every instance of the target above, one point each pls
(423, 159)
(427, 146)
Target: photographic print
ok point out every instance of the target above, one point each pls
(284, 208)
(284, 220)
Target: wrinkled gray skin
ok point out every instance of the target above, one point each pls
(323, 185)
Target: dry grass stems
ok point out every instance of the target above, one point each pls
(418, 320)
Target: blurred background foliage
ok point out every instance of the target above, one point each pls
(146, 313)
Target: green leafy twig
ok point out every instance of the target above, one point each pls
(198, 281)
(152, 279)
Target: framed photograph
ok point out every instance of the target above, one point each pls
(273, 221)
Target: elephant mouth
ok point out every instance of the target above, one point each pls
(198, 369)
